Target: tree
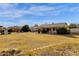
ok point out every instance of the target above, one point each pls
(25, 28)
(62, 31)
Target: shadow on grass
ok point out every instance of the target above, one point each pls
(70, 36)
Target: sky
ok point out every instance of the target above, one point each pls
(18, 14)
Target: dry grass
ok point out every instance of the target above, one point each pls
(41, 44)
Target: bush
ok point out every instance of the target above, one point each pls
(62, 31)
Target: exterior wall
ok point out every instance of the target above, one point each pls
(5, 31)
(52, 31)
(16, 30)
(34, 29)
(49, 30)
(74, 31)
(53, 27)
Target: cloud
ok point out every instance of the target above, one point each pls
(74, 9)
(8, 11)
(34, 12)
(11, 10)
(41, 8)
(9, 14)
(6, 24)
(39, 11)
(7, 6)
(22, 21)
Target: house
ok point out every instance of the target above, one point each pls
(74, 28)
(3, 30)
(34, 28)
(73, 25)
(14, 29)
(74, 31)
(51, 28)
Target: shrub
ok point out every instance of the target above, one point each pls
(62, 31)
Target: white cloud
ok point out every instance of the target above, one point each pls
(41, 8)
(10, 14)
(74, 9)
(22, 22)
(10, 11)
(39, 11)
(6, 24)
(7, 5)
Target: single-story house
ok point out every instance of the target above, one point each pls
(15, 28)
(74, 31)
(34, 28)
(3, 30)
(51, 28)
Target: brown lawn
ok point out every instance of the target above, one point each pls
(41, 44)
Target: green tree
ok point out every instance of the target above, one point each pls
(25, 28)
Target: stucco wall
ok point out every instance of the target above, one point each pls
(74, 30)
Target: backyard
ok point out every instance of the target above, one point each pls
(32, 44)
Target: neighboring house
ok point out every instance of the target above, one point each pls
(3, 30)
(34, 28)
(74, 28)
(72, 25)
(15, 28)
(74, 31)
(51, 28)
(77, 25)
